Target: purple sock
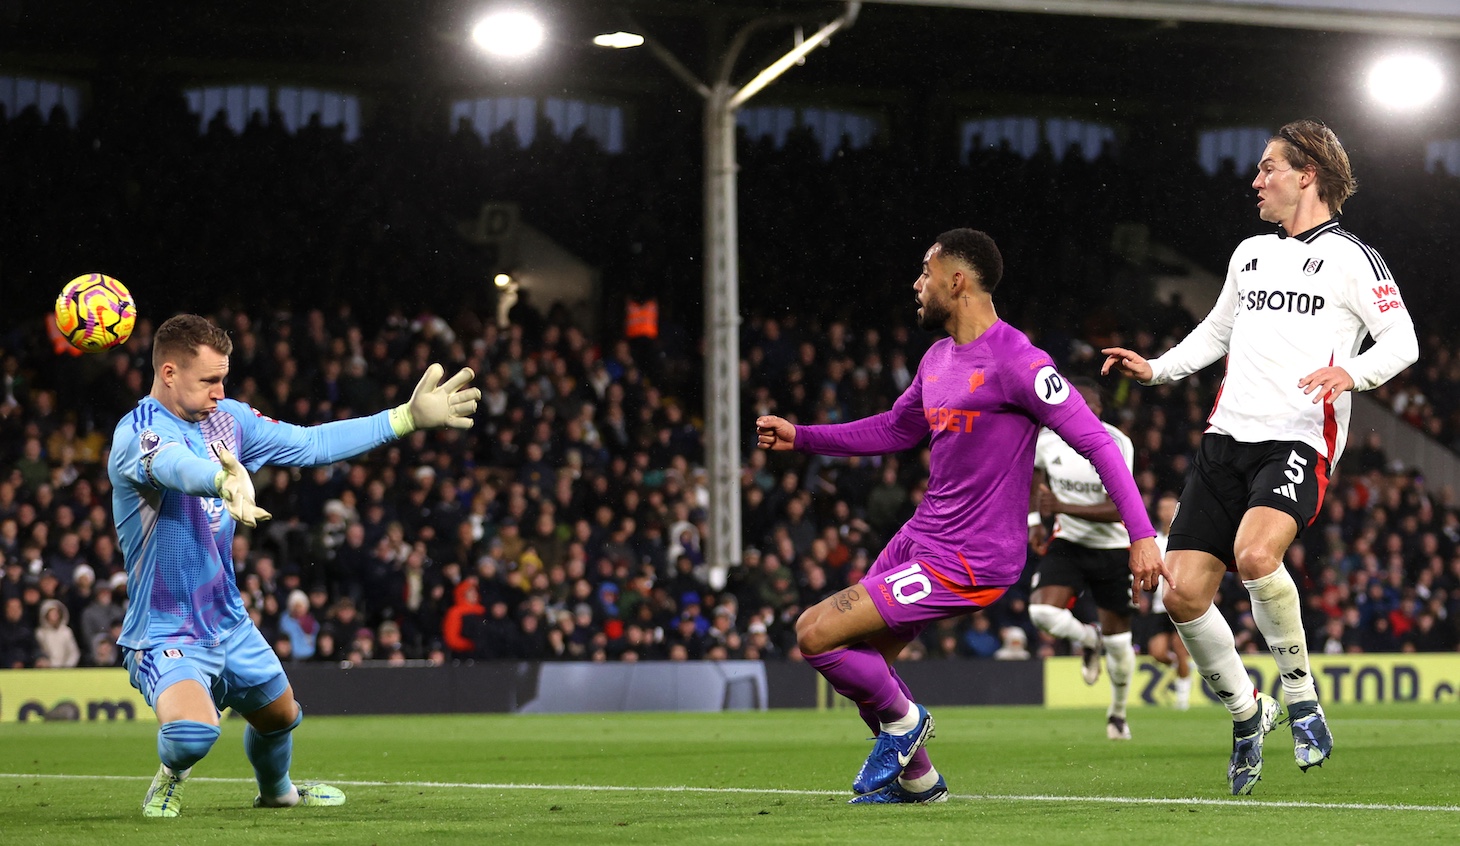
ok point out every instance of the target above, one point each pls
(861, 674)
(921, 764)
(870, 718)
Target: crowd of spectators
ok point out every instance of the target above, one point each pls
(570, 523)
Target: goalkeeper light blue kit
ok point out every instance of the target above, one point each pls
(177, 536)
(181, 471)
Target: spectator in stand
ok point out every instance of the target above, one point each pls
(1014, 644)
(18, 648)
(99, 616)
(54, 638)
(104, 652)
(299, 626)
(979, 639)
(289, 352)
(464, 622)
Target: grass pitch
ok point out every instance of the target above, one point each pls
(1017, 775)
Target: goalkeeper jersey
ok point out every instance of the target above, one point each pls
(1291, 305)
(176, 536)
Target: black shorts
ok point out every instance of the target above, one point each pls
(1146, 626)
(1104, 572)
(1229, 477)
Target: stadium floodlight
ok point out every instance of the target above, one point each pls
(508, 33)
(722, 267)
(1406, 81)
(619, 40)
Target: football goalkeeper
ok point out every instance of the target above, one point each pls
(179, 468)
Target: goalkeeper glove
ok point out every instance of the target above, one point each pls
(236, 488)
(434, 405)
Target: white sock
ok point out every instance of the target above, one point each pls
(921, 783)
(181, 774)
(1061, 623)
(1120, 660)
(908, 722)
(1278, 616)
(1182, 687)
(1214, 654)
(288, 801)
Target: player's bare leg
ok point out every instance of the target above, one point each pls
(268, 742)
(837, 636)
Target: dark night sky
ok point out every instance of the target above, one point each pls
(921, 67)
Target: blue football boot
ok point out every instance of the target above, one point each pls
(1246, 768)
(1312, 741)
(891, 754)
(896, 794)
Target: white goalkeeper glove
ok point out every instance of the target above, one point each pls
(435, 405)
(236, 489)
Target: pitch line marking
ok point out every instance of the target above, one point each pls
(775, 791)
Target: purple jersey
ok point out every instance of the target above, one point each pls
(984, 403)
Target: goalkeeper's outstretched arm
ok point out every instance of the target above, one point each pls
(433, 405)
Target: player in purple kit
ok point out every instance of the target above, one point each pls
(982, 395)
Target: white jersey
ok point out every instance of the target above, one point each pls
(1074, 480)
(1290, 306)
(1158, 596)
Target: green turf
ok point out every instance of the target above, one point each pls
(1018, 775)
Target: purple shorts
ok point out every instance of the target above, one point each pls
(912, 586)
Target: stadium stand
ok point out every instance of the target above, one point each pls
(569, 524)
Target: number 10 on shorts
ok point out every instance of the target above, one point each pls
(909, 584)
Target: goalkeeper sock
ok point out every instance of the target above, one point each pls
(182, 743)
(271, 753)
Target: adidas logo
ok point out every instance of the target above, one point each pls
(1058, 460)
(1287, 490)
(1251, 265)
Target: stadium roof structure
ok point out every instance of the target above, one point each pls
(1223, 57)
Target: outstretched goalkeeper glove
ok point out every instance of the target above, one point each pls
(434, 405)
(236, 488)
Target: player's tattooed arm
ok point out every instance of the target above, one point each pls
(843, 601)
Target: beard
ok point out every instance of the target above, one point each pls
(934, 317)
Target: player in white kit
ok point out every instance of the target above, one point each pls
(1291, 319)
(1161, 641)
(1087, 552)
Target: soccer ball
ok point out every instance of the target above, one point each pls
(95, 313)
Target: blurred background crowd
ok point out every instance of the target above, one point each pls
(570, 523)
